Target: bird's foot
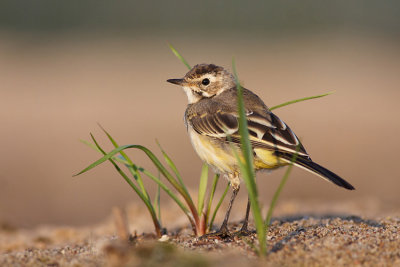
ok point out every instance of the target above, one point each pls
(222, 233)
(242, 232)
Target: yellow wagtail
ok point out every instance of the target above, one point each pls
(212, 116)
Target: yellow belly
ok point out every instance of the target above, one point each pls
(221, 156)
(265, 159)
(214, 152)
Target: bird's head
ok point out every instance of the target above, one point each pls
(205, 81)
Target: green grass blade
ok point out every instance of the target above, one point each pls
(118, 150)
(202, 188)
(218, 206)
(173, 167)
(133, 170)
(98, 162)
(170, 179)
(173, 196)
(116, 145)
(247, 168)
(118, 159)
(90, 145)
(211, 198)
(145, 200)
(157, 200)
(167, 190)
(181, 58)
(300, 100)
(247, 151)
(279, 189)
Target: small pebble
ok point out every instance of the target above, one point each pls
(164, 238)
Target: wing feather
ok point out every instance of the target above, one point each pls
(219, 124)
(266, 131)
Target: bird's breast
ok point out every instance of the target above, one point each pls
(214, 151)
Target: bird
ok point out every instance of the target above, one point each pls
(212, 122)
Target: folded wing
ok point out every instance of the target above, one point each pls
(266, 131)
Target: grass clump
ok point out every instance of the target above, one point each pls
(197, 216)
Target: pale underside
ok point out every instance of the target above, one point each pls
(221, 156)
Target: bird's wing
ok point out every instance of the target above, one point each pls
(219, 124)
(266, 131)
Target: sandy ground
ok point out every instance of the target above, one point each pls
(304, 239)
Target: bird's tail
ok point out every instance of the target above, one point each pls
(317, 169)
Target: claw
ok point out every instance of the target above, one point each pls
(242, 232)
(221, 233)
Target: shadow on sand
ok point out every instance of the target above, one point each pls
(351, 218)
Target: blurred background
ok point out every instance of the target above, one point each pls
(67, 65)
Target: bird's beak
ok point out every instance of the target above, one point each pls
(176, 81)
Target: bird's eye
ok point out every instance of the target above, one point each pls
(205, 81)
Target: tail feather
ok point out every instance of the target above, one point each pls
(326, 174)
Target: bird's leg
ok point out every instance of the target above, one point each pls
(223, 231)
(246, 219)
(244, 230)
(224, 226)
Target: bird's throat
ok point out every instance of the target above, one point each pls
(193, 97)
